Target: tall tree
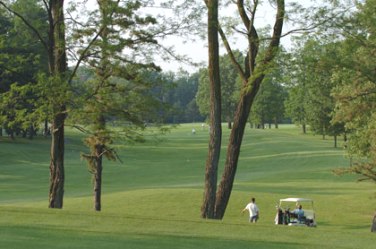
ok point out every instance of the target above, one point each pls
(22, 57)
(54, 89)
(208, 205)
(57, 64)
(119, 92)
(295, 107)
(355, 94)
(310, 96)
(58, 70)
(251, 77)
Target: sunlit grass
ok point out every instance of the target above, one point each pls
(153, 198)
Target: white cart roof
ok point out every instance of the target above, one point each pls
(293, 199)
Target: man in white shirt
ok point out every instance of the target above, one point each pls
(253, 211)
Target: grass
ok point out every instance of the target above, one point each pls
(152, 199)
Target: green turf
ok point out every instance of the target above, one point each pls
(152, 199)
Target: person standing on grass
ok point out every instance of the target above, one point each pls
(253, 210)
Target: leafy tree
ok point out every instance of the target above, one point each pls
(268, 107)
(355, 94)
(295, 107)
(21, 58)
(181, 95)
(319, 102)
(54, 89)
(310, 101)
(120, 91)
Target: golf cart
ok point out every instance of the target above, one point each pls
(289, 213)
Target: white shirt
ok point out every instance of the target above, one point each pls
(252, 208)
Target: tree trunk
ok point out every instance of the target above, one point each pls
(251, 85)
(58, 69)
(304, 129)
(335, 141)
(211, 171)
(31, 132)
(57, 163)
(46, 131)
(98, 178)
(233, 150)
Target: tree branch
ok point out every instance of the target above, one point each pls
(26, 23)
(84, 54)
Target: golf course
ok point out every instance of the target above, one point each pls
(152, 198)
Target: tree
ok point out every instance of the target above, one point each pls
(118, 92)
(182, 96)
(268, 106)
(355, 92)
(53, 89)
(211, 168)
(251, 77)
(310, 101)
(22, 57)
(295, 106)
(58, 73)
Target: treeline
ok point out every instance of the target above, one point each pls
(298, 89)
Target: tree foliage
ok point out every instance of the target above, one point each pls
(355, 91)
(268, 107)
(118, 92)
(22, 57)
(310, 101)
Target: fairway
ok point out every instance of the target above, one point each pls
(152, 199)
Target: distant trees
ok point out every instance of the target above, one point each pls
(230, 88)
(179, 90)
(268, 107)
(310, 101)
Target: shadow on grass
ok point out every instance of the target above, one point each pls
(36, 237)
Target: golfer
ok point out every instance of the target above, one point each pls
(253, 211)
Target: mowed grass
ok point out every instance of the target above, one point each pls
(153, 198)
